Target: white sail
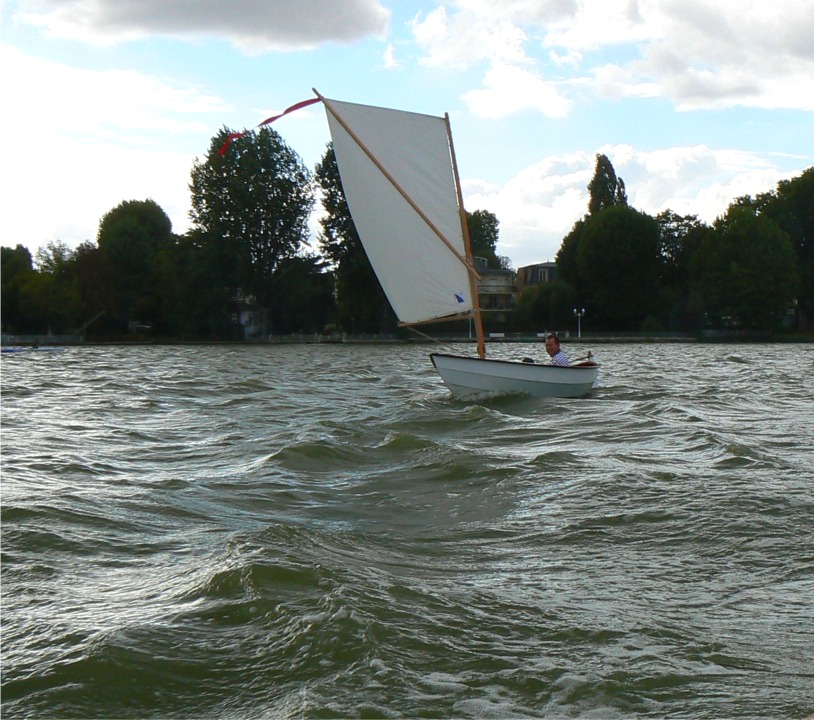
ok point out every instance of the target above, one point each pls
(423, 277)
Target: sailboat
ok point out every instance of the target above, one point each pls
(400, 178)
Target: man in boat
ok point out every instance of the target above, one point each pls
(552, 347)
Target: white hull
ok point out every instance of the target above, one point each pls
(469, 377)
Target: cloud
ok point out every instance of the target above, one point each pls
(255, 26)
(477, 34)
(389, 59)
(540, 204)
(55, 99)
(79, 142)
(66, 200)
(465, 38)
(734, 53)
(696, 53)
(508, 89)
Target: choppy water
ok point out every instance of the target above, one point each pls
(321, 531)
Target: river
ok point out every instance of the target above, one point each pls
(287, 531)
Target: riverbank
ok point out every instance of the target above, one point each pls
(317, 338)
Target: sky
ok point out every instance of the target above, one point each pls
(695, 102)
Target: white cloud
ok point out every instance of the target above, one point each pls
(466, 38)
(79, 142)
(390, 61)
(65, 200)
(703, 54)
(697, 53)
(253, 25)
(541, 203)
(598, 23)
(476, 35)
(508, 89)
(54, 99)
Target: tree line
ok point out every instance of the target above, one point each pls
(750, 270)
(248, 247)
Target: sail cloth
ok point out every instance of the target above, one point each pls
(422, 277)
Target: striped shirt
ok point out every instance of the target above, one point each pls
(560, 358)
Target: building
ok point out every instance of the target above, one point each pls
(536, 274)
(497, 290)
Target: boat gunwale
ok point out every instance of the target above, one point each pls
(587, 365)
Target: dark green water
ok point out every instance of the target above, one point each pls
(321, 531)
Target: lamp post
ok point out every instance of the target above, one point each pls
(579, 314)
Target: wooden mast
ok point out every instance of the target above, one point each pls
(473, 276)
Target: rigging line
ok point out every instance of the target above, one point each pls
(447, 343)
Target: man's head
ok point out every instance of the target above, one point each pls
(552, 345)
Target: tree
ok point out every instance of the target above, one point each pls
(747, 270)
(131, 237)
(618, 266)
(16, 269)
(792, 208)
(483, 236)
(197, 304)
(303, 301)
(253, 203)
(361, 304)
(546, 306)
(606, 190)
(52, 298)
(97, 289)
(567, 264)
(680, 238)
(54, 258)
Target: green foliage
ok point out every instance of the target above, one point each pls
(792, 208)
(253, 204)
(51, 303)
(747, 270)
(44, 299)
(675, 272)
(567, 264)
(16, 269)
(606, 190)
(197, 301)
(679, 302)
(617, 260)
(98, 289)
(303, 301)
(131, 238)
(483, 236)
(54, 258)
(611, 259)
(546, 306)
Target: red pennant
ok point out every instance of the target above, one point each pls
(267, 121)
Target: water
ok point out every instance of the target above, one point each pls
(321, 531)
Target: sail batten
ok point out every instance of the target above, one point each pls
(398, 178)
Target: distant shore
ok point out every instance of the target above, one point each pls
(339, 338)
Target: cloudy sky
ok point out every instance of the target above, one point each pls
(695, 102)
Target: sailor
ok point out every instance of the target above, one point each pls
(552, 347)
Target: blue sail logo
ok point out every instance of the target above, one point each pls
(459, 297)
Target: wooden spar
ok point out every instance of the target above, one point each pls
(473, 285)
(440, 319)
(465, 260)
